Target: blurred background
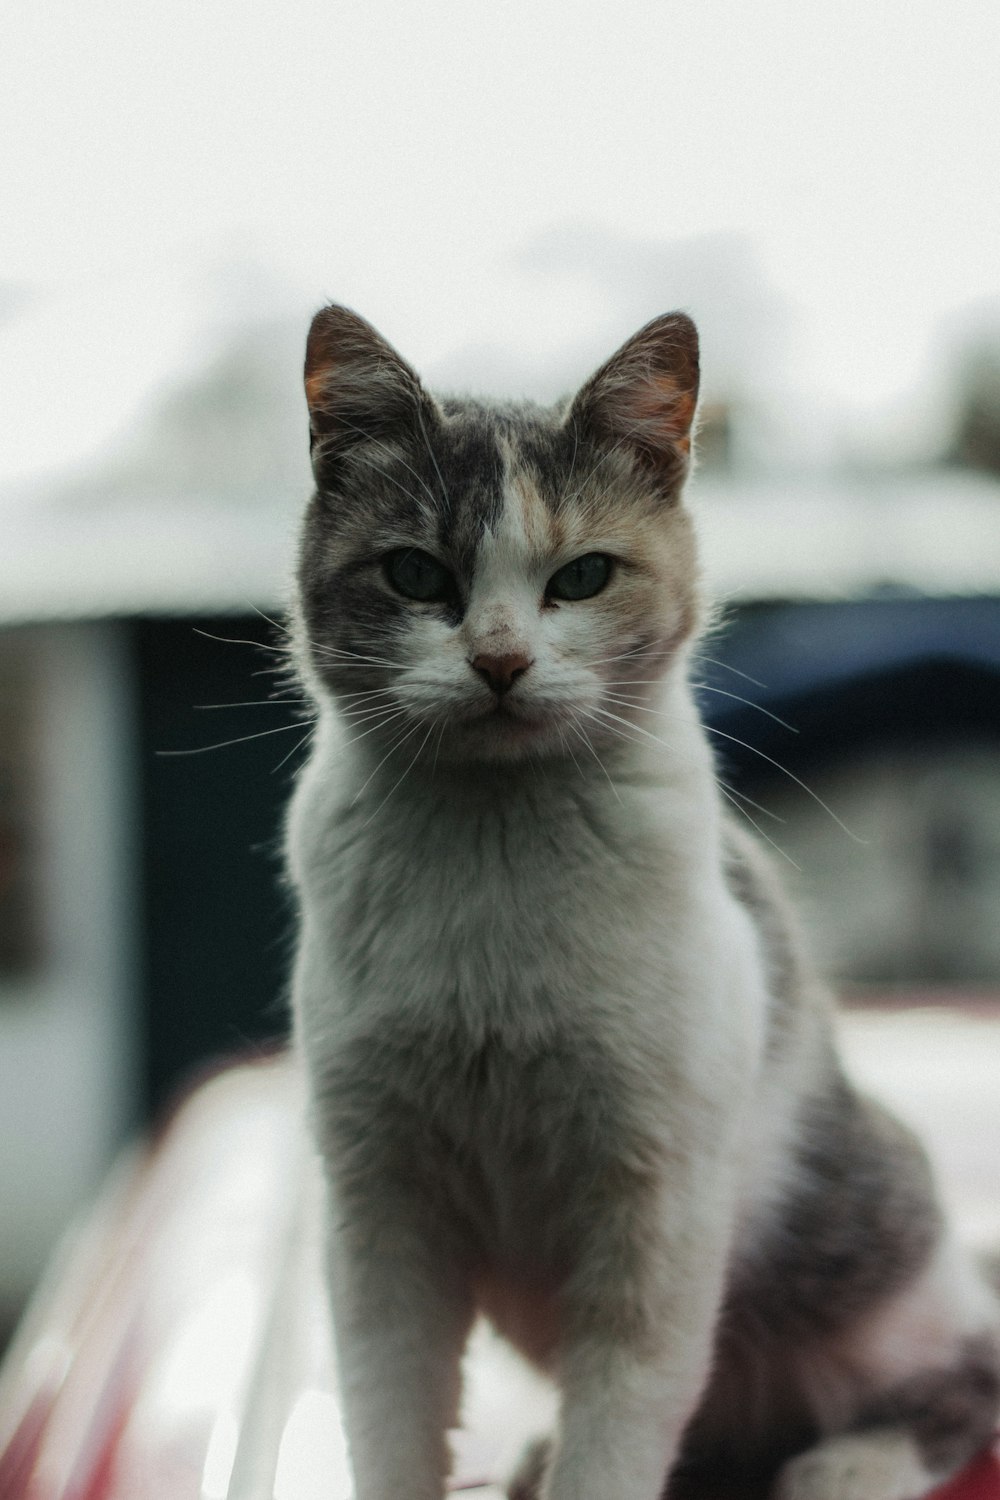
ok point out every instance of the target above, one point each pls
(507, 193)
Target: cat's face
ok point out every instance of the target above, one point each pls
(496, 582)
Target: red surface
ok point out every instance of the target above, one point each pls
(980, 1481)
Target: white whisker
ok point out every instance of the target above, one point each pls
(342, 658)
(276, 702)
(792, 777)
(365, 693)
(374, 721)
(642, 709)
(285, 758)
(279, 625)
(754, 751)
(582, 735)
(756, 826)
(239, 740)
(715, 662)
(401, 740)
(235, 640)
(396, 785)
(708, 688)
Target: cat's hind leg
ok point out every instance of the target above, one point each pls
(921, 1424)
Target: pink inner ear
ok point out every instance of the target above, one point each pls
(317, 383)
(662, 410)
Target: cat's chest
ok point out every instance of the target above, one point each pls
(522, 908)
(488, 907)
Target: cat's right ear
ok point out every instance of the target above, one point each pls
(357, 387)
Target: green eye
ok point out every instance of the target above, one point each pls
(582, 578)
(417, 575)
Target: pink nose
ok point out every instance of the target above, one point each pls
(501, 672)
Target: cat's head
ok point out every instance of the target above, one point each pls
(496, 580)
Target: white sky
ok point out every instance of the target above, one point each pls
(511, 184)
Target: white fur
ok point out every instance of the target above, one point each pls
(857, 1466)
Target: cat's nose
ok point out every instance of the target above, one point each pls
(501, 672)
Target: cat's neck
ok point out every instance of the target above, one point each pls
(665, 754)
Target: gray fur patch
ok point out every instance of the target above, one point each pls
(754, 884)
(859, 1223)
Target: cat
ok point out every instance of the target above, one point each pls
(568, 1064)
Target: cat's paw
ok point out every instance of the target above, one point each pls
(526, 1481)
(874, 1465)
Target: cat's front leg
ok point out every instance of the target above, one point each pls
(402, 1311)
(640, 1316)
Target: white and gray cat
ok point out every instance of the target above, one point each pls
(568, 1066)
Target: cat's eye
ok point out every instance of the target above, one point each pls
(581, 578)
(417, 575)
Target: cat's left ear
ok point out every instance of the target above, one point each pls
(643, 399)
(357, 386)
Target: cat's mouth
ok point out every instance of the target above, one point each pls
(506, 718)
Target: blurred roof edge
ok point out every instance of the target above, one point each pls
(934, 532)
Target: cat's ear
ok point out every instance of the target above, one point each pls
(357, 386)
(643, 399)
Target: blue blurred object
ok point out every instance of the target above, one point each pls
(849, 675)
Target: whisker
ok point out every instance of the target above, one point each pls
(275, 702)
(401, 740)
(281, 669)
(727, 786)
(363, 714)
(715, 662)
(640, 682)
(372, 728)
(609, 721)
(239, 740)
(792, 777)
(235, 640)
(285, 758)
(279, 625)
(617, 718)
(567, 749)
(437, 747)
(353, 658)
(396, 785)
(708, 688)
(757, 828)
(628, 655)
(754, 751)
(582, 735)
(358, 699)
(728, 791)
